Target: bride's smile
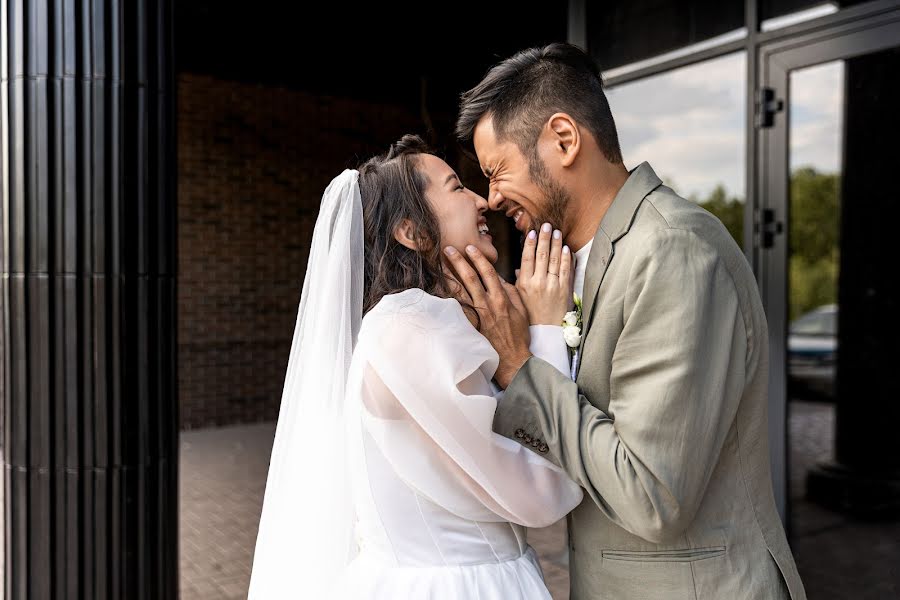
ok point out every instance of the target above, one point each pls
(459, 210)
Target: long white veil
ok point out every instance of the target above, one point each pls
(306, 530)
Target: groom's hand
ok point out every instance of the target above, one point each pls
(503, 319)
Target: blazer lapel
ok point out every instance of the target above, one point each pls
(615, 224)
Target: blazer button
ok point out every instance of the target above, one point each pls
(543, 448)
(527, 438)
(535, 443)
(520, 433)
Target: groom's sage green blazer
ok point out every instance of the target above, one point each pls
(665, 426)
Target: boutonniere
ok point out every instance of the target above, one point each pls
(572, 326)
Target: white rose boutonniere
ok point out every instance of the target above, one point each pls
(572, 335)
(572, 326)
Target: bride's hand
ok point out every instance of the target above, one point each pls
(545, 278)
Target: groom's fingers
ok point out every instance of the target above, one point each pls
(467, 276)
(513, 294)
(488, 275)
(528, 249)
(459, 292)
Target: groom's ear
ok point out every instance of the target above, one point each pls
(405, 233)
(566, 138)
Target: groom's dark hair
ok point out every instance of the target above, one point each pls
(523, 91)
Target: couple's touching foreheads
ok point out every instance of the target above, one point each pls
(433, 411)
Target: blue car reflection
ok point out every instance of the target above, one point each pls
(812, 354)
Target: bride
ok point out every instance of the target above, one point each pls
(386, 480)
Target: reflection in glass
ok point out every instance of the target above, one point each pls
(816, 115)
(627, 31)
(776, 14)
(819, 322)
(731, 36)
(843, 219)
(689, 125)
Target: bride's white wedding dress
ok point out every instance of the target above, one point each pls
(384, 435)
(441, 501)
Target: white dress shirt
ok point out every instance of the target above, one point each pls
(581, 261)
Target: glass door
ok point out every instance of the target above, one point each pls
(826, 220)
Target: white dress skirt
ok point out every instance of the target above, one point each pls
(442, 502)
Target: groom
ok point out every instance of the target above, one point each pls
(665, 422)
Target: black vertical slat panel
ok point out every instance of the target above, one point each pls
(16, 38)
(87, 365)
(115, 288)
(16, 171)
(16, 420)
(9, 532)
(104, 563)
(129, 584)
(36, 39)
(85, 200)
(17, 579)
(142, 397)
(88, 262)
(116, 547)
(68, 25)
(83, 32)
(168, 490)
(87, 294)
(59, 365)
(68, 526)
(98, 175)
(74, 557)
(101, 282)
(39, 534)
(67, 141)
(57, 172)
(100, 461)
(98, 262)
(98, 37)
(37, 211)
(15, 455)
(56, 33)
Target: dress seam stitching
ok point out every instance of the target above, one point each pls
(428, 528)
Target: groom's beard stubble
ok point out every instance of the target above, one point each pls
(555, 196)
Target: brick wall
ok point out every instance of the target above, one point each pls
(253, 163)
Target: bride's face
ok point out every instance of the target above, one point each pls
(459, 211)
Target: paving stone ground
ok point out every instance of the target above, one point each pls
(838, 557)
(223, 473)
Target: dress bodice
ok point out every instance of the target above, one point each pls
(433, 484)
(406, 528)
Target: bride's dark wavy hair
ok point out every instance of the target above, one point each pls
(393, 189)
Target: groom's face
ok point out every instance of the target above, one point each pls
(523, 189)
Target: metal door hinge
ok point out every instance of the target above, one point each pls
(766, 107)
(767, 227)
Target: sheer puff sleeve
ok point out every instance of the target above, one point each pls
(426, 401)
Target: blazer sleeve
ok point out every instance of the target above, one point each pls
(677, 378)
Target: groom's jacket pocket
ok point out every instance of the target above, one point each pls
(677, 555)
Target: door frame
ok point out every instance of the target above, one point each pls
(858, 33)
